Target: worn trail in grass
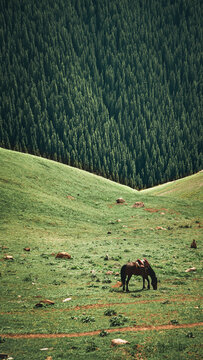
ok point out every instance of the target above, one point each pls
(97, 332)
(106, 305)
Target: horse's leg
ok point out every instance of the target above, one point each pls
(143, 283)
(123, 276)
(123, 280)
(148, 287)
(128, 279)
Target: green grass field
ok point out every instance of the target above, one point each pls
(50, 207)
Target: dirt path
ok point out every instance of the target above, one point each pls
(93, 306)
(97, 332)
(100, 305)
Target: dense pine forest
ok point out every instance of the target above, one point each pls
(110, 86)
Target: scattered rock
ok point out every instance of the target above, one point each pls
(138, 204)
(119, 342)
(46, 302)
(26, 249)
(160, 228)
(109, 272)
(120, 201)
(193, 245)
(63, 255)
(67, 299)
(106, 257)
(117, 285)
(119, 220)
(191, 269)
(49, 358)
(8, 257)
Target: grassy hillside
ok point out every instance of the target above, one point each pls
(44, 196)
(189, 188)
(51, 207)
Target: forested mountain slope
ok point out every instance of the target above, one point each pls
(112, 87)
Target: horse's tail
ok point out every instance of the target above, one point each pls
(123, 274)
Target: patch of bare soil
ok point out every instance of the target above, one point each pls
(151, 210)
(97, 332)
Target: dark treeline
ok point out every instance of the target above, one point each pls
(110, 86)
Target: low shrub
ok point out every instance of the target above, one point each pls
(118, 320)
(110, 312)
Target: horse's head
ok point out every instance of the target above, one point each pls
(154, 283)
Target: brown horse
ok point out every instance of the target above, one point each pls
(139, 267)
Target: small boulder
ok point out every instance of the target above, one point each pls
(119, 342)
(120, 201)
(45, 302)
(160, 228)
(138, 204)
(8, 257)
(67, 299)
(48, 302)
(191, 269)
(26, 249)
(63, 255)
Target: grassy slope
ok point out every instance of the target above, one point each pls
(189, 187)
(36, 212)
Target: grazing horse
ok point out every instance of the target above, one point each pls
(139, 267)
